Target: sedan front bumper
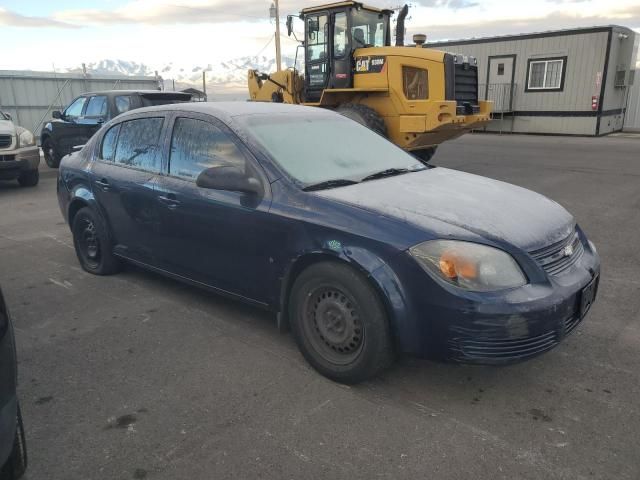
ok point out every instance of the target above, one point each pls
(491, 327)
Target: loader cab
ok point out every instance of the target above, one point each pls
(332, 33)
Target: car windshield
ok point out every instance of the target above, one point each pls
(320, 148)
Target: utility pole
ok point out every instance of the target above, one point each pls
(204, 84)
(275, 13)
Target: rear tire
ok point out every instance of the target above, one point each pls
(339, 323)
(424, 155)
(51, 157)
(29, 179)
(16, 464)
(364, 115)
(93, 244)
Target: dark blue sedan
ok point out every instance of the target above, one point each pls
(13, 449)
(357, 246)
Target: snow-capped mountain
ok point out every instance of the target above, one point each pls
(224, 77)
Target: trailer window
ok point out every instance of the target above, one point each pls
(546, 74)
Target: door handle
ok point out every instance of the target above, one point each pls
(103, 183)
(169, 200)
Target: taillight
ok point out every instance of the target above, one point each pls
(416, 83)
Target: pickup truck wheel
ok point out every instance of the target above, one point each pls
(364, 115)
(16, 464)
(339, 323)
(29, 179)
(51, 158)
(93, 244)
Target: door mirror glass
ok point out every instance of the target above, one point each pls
(56, 114)
(229, 178)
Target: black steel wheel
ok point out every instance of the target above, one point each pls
(93, 243)
(16, 464)
(339, 323)
(51, 157)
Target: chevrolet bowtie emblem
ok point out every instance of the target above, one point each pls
(568, 251)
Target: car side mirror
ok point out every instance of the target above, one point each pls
(56, 114)
(230, 178)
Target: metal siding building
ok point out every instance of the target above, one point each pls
(558, 82)
(31, 96)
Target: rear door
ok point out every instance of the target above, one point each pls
(219, 238)
(124, 178)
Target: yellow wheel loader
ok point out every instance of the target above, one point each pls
(417, 97)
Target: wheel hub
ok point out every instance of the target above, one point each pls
(336, 323)
(90, 241)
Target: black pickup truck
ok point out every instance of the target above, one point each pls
(85, 115)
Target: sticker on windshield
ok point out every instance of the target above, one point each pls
(373, 64)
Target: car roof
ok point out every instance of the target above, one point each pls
(229, 110)
(137, 92)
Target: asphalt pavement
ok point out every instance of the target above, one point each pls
(137, 376)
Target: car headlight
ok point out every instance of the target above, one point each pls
(25, 138)
(467, 265)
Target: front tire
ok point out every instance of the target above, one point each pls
(51, 157)
(93, 244)
(339, 323)
(29, 179)
(364, 115)
(16, 464)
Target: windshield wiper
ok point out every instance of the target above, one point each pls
(338, 182)
(389, 172)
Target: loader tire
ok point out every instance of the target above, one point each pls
(364, 115)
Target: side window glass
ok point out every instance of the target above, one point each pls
(316, 38)
(340, 35)
(108, 149)
(123, 104)
(138, 143)
(197, 145)
(97, 107)
(75, 109)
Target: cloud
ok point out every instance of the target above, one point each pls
(452, 4)
(12, 19)
(556, 20)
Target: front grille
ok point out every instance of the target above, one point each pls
(558, 257)
(495, 347)
(571, 323)
(5, 141)
(466, 84)
(7, 158)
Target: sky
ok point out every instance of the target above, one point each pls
(46, 34)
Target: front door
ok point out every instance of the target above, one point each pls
(69, 130)
(95, 114)
(317, 56)
(500, 89)
(124, 180)
(218, 238)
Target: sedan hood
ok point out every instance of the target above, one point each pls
(485, 207)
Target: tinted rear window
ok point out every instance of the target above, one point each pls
(138, 143)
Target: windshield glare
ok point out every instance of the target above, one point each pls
(314, 149)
